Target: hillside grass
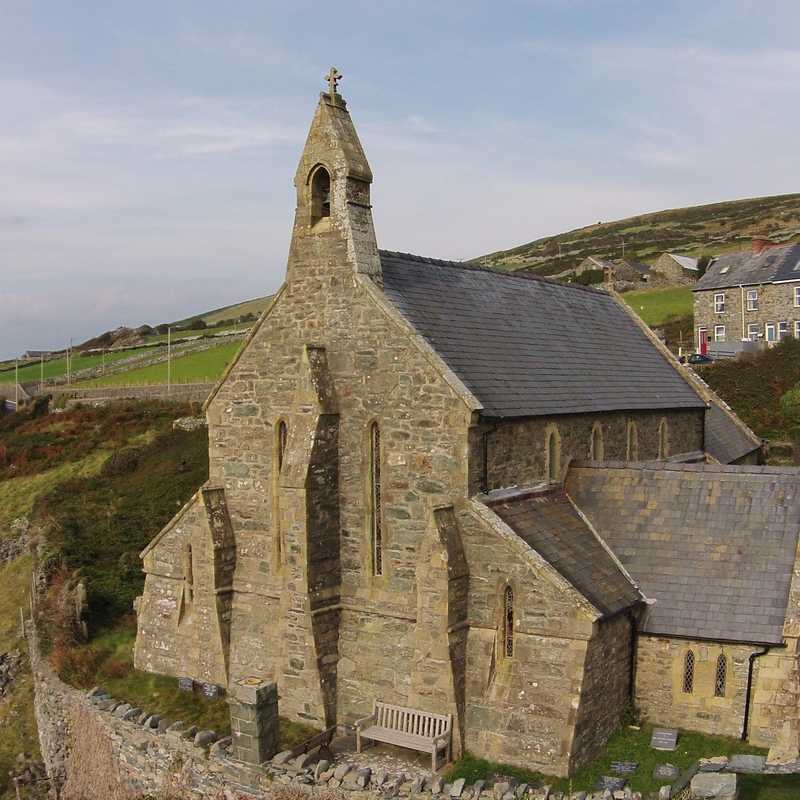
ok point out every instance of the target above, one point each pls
(656, 306)
(255, 306)
(753, 386)
(626, 744)
(203, 367)
(715, 228)
(57, 367)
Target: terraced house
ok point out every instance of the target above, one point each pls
(477, 494)
(749, 296)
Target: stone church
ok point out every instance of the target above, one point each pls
(479, 493)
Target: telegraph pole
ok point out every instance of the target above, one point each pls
(16, 384)
(169, 361)
(41, 372)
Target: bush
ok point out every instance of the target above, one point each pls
(790, 410)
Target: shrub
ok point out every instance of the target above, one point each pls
(790, 411)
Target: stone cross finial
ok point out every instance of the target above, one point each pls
(333, 77)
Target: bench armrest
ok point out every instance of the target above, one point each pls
(442, 737)
(360, 723)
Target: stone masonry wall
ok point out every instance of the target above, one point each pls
(517, 448)
(606, 688)
(775, 305)
(178, 393)
(523, 709)
(659, 685)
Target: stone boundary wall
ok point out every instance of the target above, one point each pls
(178, 392)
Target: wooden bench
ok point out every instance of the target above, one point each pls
(408, 727)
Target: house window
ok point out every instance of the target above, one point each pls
(769, 332)
(596, 446)
(753, 332)
(508, 622)
(797, 296)
(783, 330)
(633, 442)
(688, 672)
(375, 523)
(719, 333)
(721, 676)
(553, 455)
(320, 194)
(719, 303)
(752, 299)
(663, 444)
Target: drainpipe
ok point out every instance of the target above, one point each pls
(741, 304)
(746, 721)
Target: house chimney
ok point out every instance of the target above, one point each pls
(761, 244)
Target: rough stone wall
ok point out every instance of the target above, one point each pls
(523, 709)
(668, 267)
(775, 305)
(659, 685)
(517, 452)
(178, 393)
(606, 688)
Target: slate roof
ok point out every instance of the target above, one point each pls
(747, 268)
(714, 545)
(726, 440)
(639, 266)
(547, 521)
(686, 262)
(528, 346)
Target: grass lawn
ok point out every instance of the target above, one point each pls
(202, 367)
(112, 651)
(626, 745)
(57, 367)
(769, 787)
(656, 306)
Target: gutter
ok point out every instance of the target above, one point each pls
(749, 691)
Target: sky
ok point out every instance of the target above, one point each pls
(147, 149)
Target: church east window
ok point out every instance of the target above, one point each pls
(553, 455)
(721, 676)
(633, 442)
(320, 195)
(508, 622)
(663, 444)
(596, 446)
(688, 672)
(375, 523)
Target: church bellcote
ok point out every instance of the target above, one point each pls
(333, 191)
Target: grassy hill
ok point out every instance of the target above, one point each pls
(215, 316)
(714, 228)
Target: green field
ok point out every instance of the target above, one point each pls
(57, 367)
(203, 367)
(656, 306)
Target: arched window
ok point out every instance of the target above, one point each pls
(688, 672)
(663, 443)
(508, 622)
(721, 676)
(281, 434)
(375, 525)
(596, 446)
(281, 443)
(320, 195)
(633, 442)
(553, 455)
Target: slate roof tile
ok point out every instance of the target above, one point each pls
(547, 521)
(528, 346)
(747, 268)
(726, 440)
(722, 566)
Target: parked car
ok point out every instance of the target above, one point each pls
(700, 358)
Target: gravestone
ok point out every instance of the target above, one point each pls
(624, 767)
(664, 739)
(186, 684)
(666, 772)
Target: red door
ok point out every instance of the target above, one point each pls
(703, 336)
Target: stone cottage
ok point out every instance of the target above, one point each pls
(675, 268)
(474, 493)
(749, 295)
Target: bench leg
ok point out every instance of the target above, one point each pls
(358, 741)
